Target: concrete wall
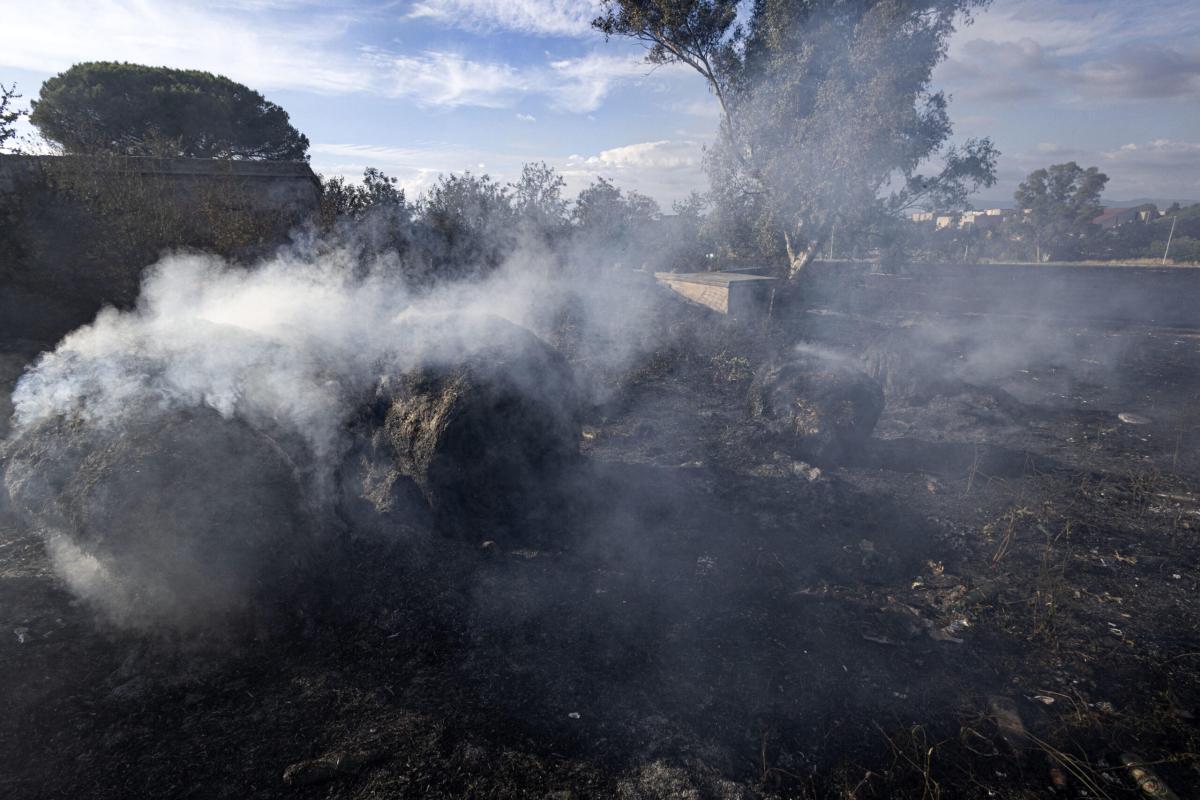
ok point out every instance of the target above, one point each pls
(76, 232)
(739, 295)
(1154, 295)
(282, 185)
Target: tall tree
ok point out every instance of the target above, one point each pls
(1060, 203)
(824, 102)
(131, 109)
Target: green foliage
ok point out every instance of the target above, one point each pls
(824, 102)
(343, 200)
(538, 201)
(1148, 239)
(1184, 249)
(129, 109)
(8, 114)
(473, 220)
(965, 170)
(1061, 201)
(604, 209)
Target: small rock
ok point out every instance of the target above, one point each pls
(132, 689)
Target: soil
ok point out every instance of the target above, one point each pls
(997, 595)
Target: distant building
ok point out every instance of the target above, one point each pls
(1114, 217)
(988, 218)
(982, 219)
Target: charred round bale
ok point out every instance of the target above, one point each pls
(820, 403)
(182, 519)
(489, 438)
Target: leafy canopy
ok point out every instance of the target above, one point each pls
(131, 109)
(824, 103)
(1060, 203)
(8, 114)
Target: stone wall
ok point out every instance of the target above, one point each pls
(77, 232)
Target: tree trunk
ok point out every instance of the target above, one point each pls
(799, 259)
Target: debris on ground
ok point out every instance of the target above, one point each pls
(819, 404)
(1004, 713)
(1146, 779)
(331, 766)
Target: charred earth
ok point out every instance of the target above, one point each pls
(724, 619)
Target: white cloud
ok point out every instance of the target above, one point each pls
(664, 154)
(1077, 51)
(448, 80)
(246, 44)
(1160, 168)
(538, 17)
(667, 170)
(1080, 27)
(526, 117)
(254, 43)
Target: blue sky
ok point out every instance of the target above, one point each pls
(419, 87)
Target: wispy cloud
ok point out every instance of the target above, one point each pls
(259, 44)
(1078, 51)
(667, 170)
(247, 43)
(536, 17)
(449, 80)
(1164, 168)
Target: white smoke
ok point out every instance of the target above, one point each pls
(297, 342)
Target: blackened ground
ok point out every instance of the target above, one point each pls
(726, 622)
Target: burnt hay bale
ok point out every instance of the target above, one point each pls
(821, 405)
(185, 519)
(489, 438)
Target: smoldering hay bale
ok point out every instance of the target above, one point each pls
(183, 519)
(489, 438)
(820, 404)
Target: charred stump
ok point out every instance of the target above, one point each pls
(820, 406)
(489, 438)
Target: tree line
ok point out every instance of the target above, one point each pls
(830, 132)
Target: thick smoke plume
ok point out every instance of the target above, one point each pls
(291, 352)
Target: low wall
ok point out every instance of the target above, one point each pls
(1168, 296)
(76, 232)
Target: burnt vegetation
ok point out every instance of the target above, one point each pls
(448, 496)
